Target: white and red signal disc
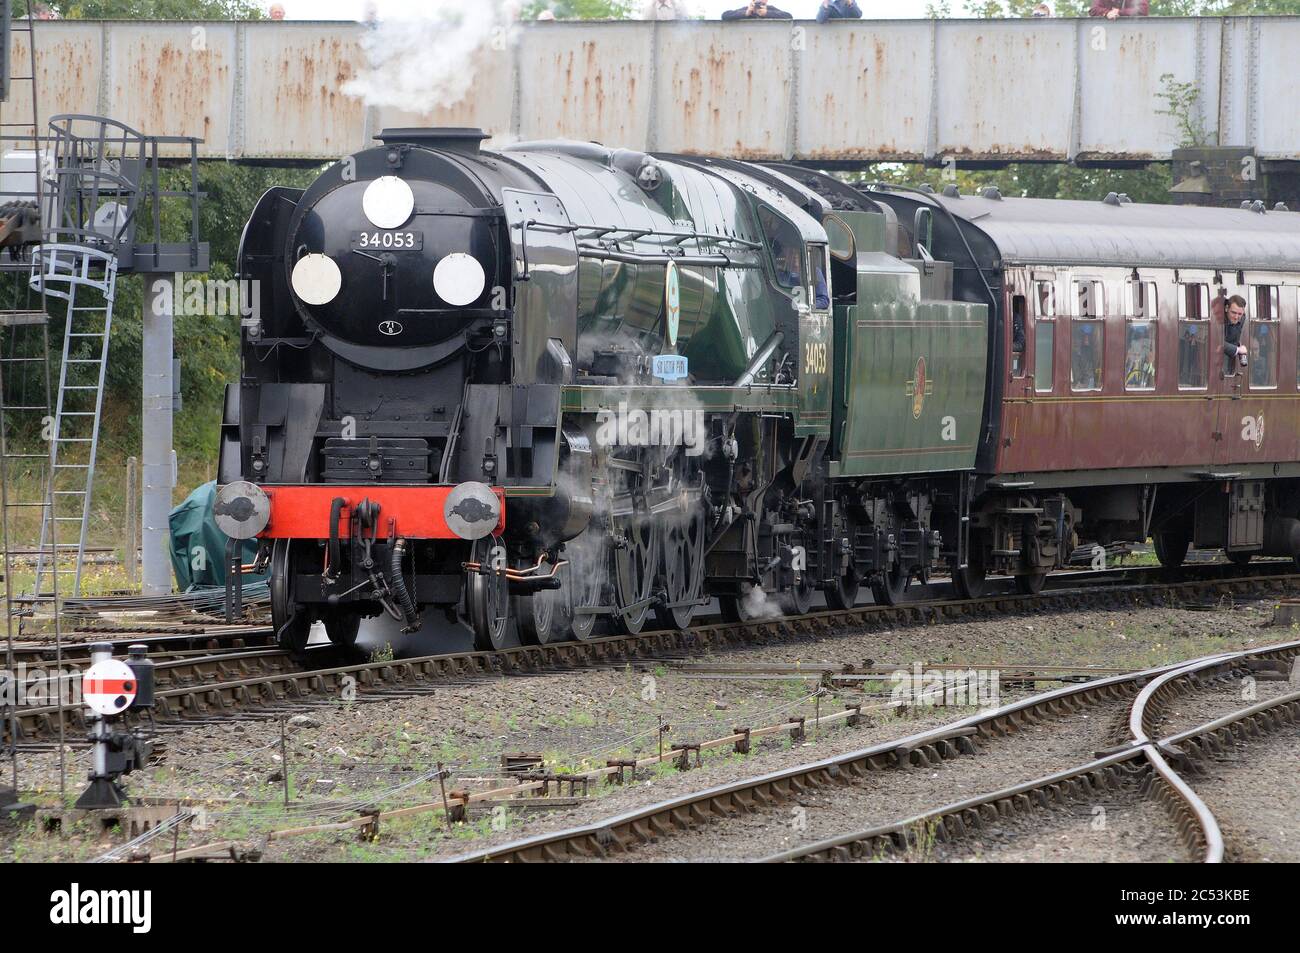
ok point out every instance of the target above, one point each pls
(109, 687)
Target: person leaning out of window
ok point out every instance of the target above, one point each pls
(1233, 324)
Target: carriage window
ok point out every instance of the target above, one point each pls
(1140, 355)
(1194, 302)
(1044, 300)
(1018, 336)
(1265, 303)
(1264, 333)
(1087, 347)
(1194, 336)
(1091, 299)
(1044, 346)
(1143, 300)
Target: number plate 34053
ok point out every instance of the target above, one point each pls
(380, 240)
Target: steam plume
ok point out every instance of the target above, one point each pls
(430, 60)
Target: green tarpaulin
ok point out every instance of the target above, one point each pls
(198, 546)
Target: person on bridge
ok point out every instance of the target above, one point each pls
(1113, 9)
(839, 10)
(665, 10)
(757, 10)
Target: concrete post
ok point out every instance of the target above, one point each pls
(131, 537)
(158, 459)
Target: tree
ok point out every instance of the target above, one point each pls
(1159, 8)
(157, 9)
(581, 9)
(1032, 180)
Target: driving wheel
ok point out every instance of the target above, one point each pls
(682, 566)
(289, 618)
(488, 595)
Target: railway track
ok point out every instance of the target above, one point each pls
(161, 646)
(1152, 764)
(215, 686)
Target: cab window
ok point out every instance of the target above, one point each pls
(843, 272)
(787, 254)
(819, 270)
(841, 238)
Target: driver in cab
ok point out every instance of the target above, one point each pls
(789, 274)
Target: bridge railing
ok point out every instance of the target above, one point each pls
(846, 92)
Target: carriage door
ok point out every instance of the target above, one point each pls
(1041, 340)
(1020, 338)
(1228, 376)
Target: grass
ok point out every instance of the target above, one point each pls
(108, 500)
(97, 579)
(921, 838)
(107, 528)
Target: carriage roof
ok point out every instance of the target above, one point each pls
(1129, 234)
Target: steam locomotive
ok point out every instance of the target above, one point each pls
(558, 390)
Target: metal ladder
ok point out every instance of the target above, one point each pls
(94, 164)
(86, 278)
(25, 391)
(26, 454)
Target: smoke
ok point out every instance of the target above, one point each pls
(759, 605)
(431, 60)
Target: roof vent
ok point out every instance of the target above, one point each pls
(445, 138)
(993, 193)
(951, 192)
(1112, 198)
(1281, 207)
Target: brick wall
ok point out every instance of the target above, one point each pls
(1234, 175)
